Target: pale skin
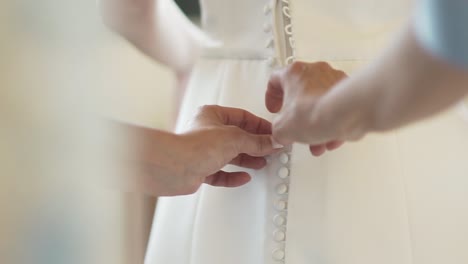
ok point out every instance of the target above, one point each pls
(292, 92)
(160, 30)
(157, 28)
(171, 39)
(317, 104)
(161, 163)
(167, 164)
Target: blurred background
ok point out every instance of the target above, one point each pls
(59, 66)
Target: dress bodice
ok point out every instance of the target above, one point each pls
(373, 201)
(323, 30)
(235, 24)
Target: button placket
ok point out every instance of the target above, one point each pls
(272, 62)
(284, 158)
(269, 10)
(279, 220)
(279, 235)
(278, 254)
(283, 172)
(281, 205)
(269, 43)
(282, 187)
(267, 27)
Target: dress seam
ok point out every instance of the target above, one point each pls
(287, 54)
(200, 191)
(195, 220)
(233, 58)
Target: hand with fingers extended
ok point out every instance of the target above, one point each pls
(295, 93)
(178, 164)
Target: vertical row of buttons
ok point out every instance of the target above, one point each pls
(282, 188)
(288, 32)
(280, 203)
(281, 206)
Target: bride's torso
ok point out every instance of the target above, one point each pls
(331, 30)
(364, 203)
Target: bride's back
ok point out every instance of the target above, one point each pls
(323, 29)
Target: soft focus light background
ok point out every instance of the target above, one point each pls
(59, 67)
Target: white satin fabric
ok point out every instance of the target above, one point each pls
(396, 198)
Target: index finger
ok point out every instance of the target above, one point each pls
(244, 120)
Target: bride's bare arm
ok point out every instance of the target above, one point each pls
(407, 84)
(158, 28)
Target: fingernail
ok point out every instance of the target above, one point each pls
(275, 144)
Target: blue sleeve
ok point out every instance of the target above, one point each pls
(442, 27)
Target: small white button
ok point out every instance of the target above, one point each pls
(278, 254)
(284, 158)
(269, 43)
(279, 235)
(271, 62)
(281, 189)
(281, 205)
(279, 220)
(283, 172)
(267, 28)
(267, 8)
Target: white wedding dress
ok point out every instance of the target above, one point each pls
(397, 198)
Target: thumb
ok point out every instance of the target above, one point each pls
(282, 132)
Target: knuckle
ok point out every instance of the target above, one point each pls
(200, 110)
(236, 138)
(341, 73)
(262, 145)
(323, 65)
(206, 108)
(209, 108)
(295, 67)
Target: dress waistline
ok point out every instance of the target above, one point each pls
(235, 53)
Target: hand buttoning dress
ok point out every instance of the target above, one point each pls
(397, 198)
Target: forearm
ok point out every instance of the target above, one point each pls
(405, 85)
(158, 28)
(162, 163)
(146, 160)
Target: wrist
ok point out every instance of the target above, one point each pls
(166, 151)
(168, 161)
(345, 112)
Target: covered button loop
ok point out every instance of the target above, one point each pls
(269, 11)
